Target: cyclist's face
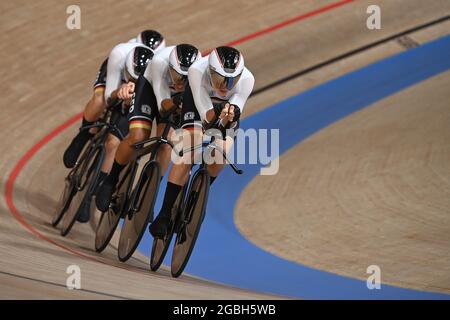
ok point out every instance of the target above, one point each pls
(178, 80)
(222, 84)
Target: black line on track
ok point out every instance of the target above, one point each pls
(346, 55)
(62, 286)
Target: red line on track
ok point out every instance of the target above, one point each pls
(9, 188)
(285, 23)
(289, 21)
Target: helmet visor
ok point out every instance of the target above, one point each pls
(221, 82)
(176, 77)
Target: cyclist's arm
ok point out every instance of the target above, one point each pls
(243, 90)
(201, 97)
(156, 73)
(116, 63)
(142, 94)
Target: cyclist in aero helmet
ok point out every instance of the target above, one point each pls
(218, 88)
(126, 63)
(225, 69)
(136, 62)
(158, 96)
(97, 104)
(152, 39)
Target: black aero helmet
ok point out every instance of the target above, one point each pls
(226, 65)
(137, 61)
(152, 39)
(180, 59)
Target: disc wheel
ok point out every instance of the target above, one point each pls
(110, 219)
(160, 246)
(141, 212)
(83, 180)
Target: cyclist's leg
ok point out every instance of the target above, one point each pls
(140, 119)
(92, 112)
(178, 176)
(111, 145)
(165, 150)
(96, 106)
(113, 140)
(192, 135)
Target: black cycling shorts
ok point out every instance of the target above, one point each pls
(144, 107)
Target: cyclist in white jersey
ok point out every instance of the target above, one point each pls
(158, 96)
(126, 62)
(97, 104)
(219, 86)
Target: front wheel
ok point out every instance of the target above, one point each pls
(160, 246)
(191, 221)
(110, 219)
(141, 210)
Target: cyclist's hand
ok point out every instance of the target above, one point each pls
(178, 99)
(230, 116)
(126, 91)
(224, 113)
(127, 102)
(234, 114)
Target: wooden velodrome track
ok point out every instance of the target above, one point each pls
(48, 70)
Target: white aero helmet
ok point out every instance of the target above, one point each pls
(225, 67)
(136, 62)
(152, 39)
(180, 59)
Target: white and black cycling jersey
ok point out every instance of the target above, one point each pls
(204, 94)
(157, 74)
(116, 66)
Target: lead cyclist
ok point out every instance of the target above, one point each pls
(217, 90)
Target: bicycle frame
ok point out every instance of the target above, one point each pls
(202, 167)
(143, 148)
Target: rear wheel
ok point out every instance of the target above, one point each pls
(83, 180)
(141, 212)
(191, 221)
(110, 219)
(64, 200)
